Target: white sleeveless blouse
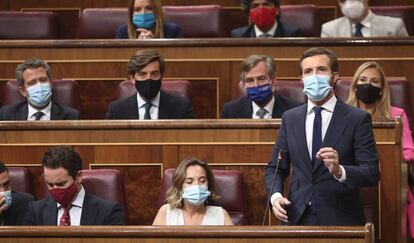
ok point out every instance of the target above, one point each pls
(214, 216)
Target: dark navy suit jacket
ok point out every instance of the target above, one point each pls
(171, 107)
(171, 30)
(243, 108)
(15, 213)
(282, 30)
(95, 211)
(350, 134)
(19, 112)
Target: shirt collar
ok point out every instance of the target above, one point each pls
(268, 107)
(78, 202)
(155, 101)
(271, 32)
(46, 111)
(366, 22)
(329, 105)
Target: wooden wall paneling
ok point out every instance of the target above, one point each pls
(4, 5)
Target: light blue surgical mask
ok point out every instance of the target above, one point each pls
(316, 87)
(8, 197)
(145, 20)
(40, 94)
(196, 195)
(259, 94)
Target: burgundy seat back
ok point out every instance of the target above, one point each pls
(230, 188)
(19, 179)
(292, 89)
(406, 13)
(65, 92)
(304, 16)
(399, 89)
(200, 21)
(176, 87)
(101, 23)
(28, 25)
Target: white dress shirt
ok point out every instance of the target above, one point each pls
(76, 211)
(366, 22)
(46, 112)
(154, 110)
(271, 31)
(268, 107)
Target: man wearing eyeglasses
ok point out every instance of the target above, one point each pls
(146, 70)
(12, 204)
(258, 75)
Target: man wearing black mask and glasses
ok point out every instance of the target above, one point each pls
(146, 69)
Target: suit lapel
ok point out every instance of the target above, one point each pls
(163, 108)
(22, 113)
(50, 212)
(276, 108)
(89, 211)
(55, 112)
(132, 107)
(299, 133)
(345, 29)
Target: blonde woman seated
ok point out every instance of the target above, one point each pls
(188, 198)
(370, 92)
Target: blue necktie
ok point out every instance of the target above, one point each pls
(358, 30)
(147, 115)
(317, 133)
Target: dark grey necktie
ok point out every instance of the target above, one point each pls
(358, 30)
(38, 115)
(147, 115)
(261, 113)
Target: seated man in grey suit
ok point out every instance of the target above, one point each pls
(359, 21)
(12, 204)
(68, 203)
(265, 22)
(258, 74)
(35, 83)
(146, 70)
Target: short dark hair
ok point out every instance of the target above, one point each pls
(142, 58)
(63, 157)
(3, 167)
(31, 63)
(245, 4)
(314, 51)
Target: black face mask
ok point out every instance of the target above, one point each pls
(368, 93)
(148, 88)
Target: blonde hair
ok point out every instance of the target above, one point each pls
(174, 194)
(159, 23)
(382, 107)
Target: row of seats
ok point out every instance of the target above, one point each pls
(108, 184)
(196, 21)
(66, 92)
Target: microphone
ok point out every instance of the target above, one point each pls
(282, 155)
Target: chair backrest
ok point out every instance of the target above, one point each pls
(304, 16)
(406, 13)
(292, 89)
(200, 21)
(28, 25)
(176, 87)
(65, 92)
(101, 23)
(19, 179)
(229, 186)
(399, 89)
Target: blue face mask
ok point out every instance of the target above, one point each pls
(196, 195)
(259, 94)
(39, 95)
(316, 87)
(8, 197)
(145, 20)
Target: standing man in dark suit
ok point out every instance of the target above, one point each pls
(35, 83)
(12, 204)
(146, 70)
(264, 16)
(258, 74)
(331, 148)
(68, 203)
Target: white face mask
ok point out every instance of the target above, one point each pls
(352, 9)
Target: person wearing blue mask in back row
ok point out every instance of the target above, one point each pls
(35, 84)
(190, 197)
(258, 75)
(146, 21)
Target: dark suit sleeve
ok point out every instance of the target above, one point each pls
(109, 113)
(225, 112)
(188, 110)
(29, 217)
(366, 170)
(115, 215)
(122, 32)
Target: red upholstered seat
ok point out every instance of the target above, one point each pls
(19, 179)
(65, 92)
(304, 16)
(406, 13)
(176, 87)
(100, 23)
(197, 21)
(28, 25)
(230, 188)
